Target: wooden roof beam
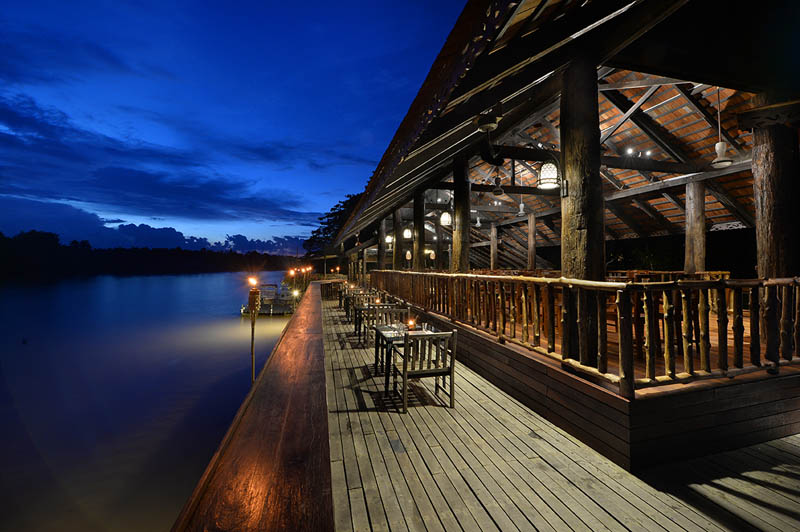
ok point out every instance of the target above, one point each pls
(627, 220)
(693, 101)
(736, 209)
(629, 112)
(641, 83)
(662, 220)
(648, 125)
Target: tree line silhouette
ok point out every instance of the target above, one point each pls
(36, 253)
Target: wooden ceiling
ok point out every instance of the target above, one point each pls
(642, 116)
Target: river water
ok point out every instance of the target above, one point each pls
(115, 392)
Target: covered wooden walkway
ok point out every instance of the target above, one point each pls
(493, 463)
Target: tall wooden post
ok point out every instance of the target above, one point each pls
(439, 245)
(776, 187)
(418, 254)
(582, 209)
(364, 267)
(397, 236)
(382, 245)
(459, 256)
(695, 249)
(493, 247)
(531, 241)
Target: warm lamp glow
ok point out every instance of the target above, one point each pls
(406, 233)
(446, 219)
(408, 255)
(295, 293)
(377, 300)
(252, 280)
(548, 177)
(410, 324)
(291, 273)
(388, 239)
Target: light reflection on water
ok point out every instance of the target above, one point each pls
(115, 392)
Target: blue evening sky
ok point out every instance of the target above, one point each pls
(209, 118)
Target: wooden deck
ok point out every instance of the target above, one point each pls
(492, 463)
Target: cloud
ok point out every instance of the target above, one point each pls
(72, 223)
(45, 157)
(38, 56)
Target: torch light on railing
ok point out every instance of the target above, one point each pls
(253, 305)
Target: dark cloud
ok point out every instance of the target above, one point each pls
(72, 223)
(45, 157)
(44, 57)
(289, 155)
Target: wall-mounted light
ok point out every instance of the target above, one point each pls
(388, 239)
(408, 255)
(446, 219)
(407, 233)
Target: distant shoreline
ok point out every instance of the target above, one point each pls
(37, 254)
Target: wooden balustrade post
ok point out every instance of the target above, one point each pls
(627, 379)
(650, 332)
(550, 305)
(381, 245)
(397, 235)
(602, 333)
(567, 320)
(769, 320)
(797, 318)
(705, 344)
(535, 301)
(524, 302)
(738, 329)
(638, 325)
(584, 355)
(755, 330)
(786, 322)
(722, 329)
(669, 336)
(418, 248)
(677, 319)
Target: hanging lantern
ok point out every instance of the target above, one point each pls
(721, 160)
(433, 255)
(548, 176)
(446, 219)
(407, 233)
(408, 255)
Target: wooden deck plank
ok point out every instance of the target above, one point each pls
(493, 463)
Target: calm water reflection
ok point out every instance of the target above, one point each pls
(114, 393)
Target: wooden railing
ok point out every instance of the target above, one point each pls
(630, 334)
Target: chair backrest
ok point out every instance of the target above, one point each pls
(362, 300)
(430, 351)
(389, 314)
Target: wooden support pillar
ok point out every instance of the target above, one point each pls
(493, 247)
(776, 191)
(776, 187)
(439, 248)
(418, 254)
(582, 208)
(397, 237)
(364, 267)
(459, 257)
(695, 248)
(531, 242)
(382, 245)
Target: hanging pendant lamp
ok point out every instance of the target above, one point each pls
(721, 147)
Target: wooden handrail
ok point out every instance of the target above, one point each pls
(669, 321)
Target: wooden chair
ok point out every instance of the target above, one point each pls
(426, 355)
(385, 315)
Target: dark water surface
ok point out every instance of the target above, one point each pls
(115, 392)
